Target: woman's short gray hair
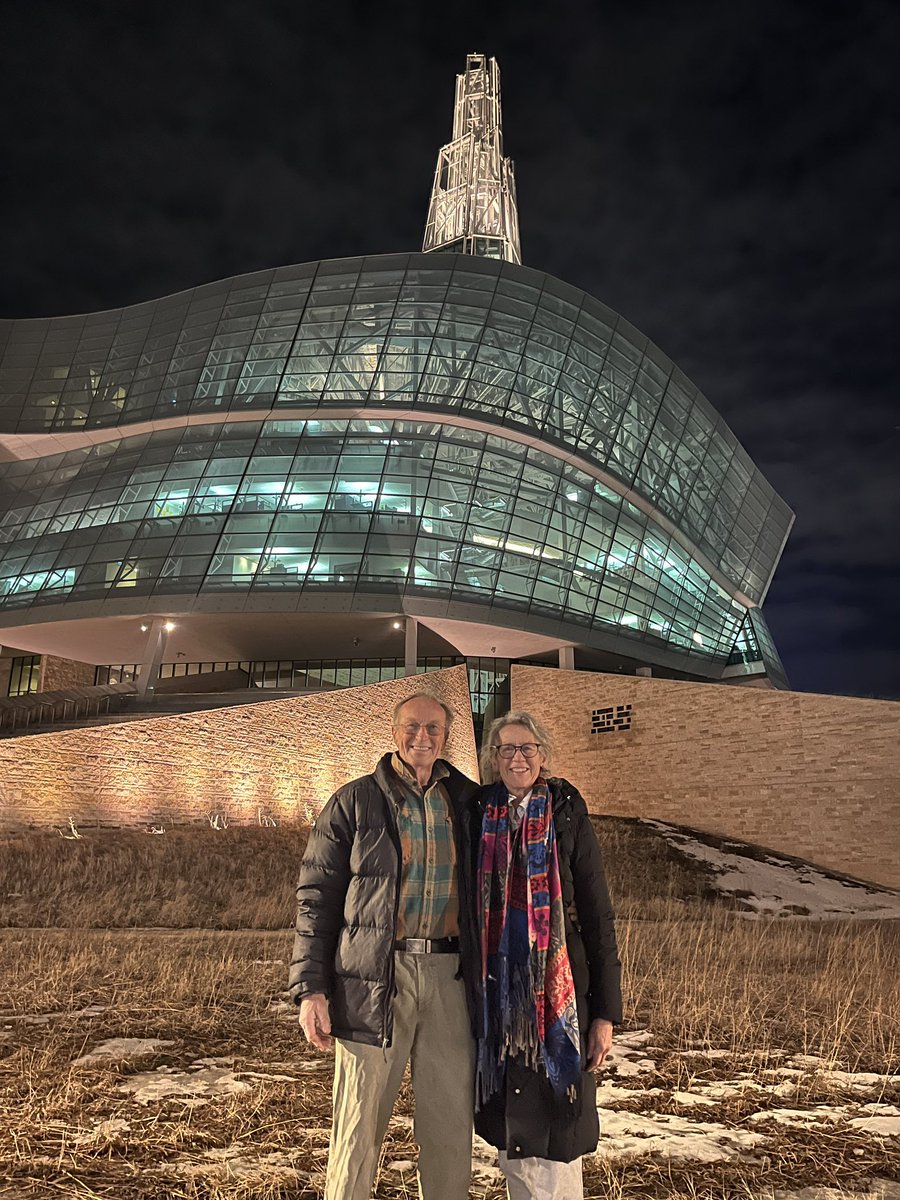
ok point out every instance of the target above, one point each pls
(487, 760)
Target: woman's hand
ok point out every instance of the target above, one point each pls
(599, 1043)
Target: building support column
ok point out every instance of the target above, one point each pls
(5, 673)
(411, 649)
(154, 648)
(567, 658)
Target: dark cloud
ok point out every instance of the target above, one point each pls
(725, 176)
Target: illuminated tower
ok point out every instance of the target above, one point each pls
(473, 200)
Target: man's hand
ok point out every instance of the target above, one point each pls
(599, 1043)
(315, 1020)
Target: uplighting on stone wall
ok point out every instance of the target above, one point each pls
(285, 757)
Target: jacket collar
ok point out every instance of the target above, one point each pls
(459, 787)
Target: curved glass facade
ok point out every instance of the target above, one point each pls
(448, 428)
(363, 506)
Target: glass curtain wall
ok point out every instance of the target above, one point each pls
(461, 335)
(363, 505)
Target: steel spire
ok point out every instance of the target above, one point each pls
(473, 200)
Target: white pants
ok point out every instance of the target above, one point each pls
(542, 1179)
(432, 1033)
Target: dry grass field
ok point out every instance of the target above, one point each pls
(757, 1058)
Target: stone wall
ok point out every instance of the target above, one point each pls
(809, 775)
(280, 759)
(60, 673)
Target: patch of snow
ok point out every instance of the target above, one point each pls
(625, 1060)
(233, 1163)
(102, 1131)
(774, 886)
(199, 1086)
(692, 1100)
(813, 1115)
(880, 1119)
(634, 1038)
(92, 1010)
(208, 1078)
(284, 1010)
(608, 1090)
(274, 1078)
(630, 1135)
(122, 1048)
(401, 1165)
(857, 1081)
(297, 1064)
(629, 1068)
(484, 1159)
(725, 1089)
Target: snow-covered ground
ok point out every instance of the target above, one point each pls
(770, 886)
(687, 1135)
(693, 1104)
(640, 1113)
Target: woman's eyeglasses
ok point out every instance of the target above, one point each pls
(529, 750)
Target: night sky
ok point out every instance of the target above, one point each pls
(723, 175)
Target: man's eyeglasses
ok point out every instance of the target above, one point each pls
(529, 749)
(433, 729)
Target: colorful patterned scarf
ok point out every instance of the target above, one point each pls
(529, 996)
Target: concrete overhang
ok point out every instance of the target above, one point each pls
(232, 626)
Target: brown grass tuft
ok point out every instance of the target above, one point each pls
(235, 878)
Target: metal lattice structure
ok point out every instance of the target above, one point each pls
(473, 200)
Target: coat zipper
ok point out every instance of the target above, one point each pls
(389, 1011)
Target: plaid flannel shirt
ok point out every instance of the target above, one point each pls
(429, 904)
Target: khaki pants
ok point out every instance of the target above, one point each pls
(432, 1033)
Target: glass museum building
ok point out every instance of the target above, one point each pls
(342, 471)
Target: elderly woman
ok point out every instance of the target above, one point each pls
(547, 994)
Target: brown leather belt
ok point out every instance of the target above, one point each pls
(447, 945)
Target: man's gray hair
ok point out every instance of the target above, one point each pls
(448, 711)
(487, 760)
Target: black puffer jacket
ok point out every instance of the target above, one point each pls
(526, 1118)
(347, 898)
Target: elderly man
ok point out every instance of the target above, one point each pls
(382, 906)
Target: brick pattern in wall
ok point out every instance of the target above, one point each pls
(813, 776)
(60, 673)
(280, 759)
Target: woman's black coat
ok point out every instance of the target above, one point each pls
(527, 1118)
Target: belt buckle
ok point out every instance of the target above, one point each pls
(417, 945)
